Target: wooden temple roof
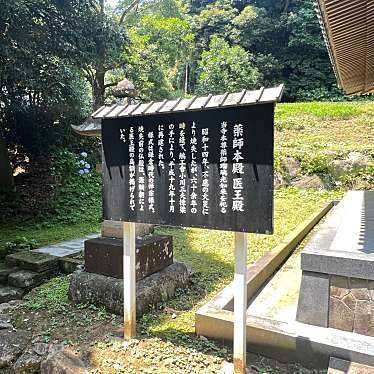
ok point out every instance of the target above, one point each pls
(348, 29)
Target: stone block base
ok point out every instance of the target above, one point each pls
(29, 279)
(34, 261)
(339, 366)
(105, 255)
(10, 293)
(106, 291)
(352, 305)
(339, 302)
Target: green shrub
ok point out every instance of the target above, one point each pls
(21, 242)
(52, 296)
(79, 191)
(359, 178)
(314, 163)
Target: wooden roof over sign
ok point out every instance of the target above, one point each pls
(92, 126)
(348, 29)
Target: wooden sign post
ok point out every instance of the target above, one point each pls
(129, 280)
(240, 303)
(203, 162)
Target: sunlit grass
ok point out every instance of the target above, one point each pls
(321, 110)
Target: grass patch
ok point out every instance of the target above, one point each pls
(320, 110)
(43, 233)
(52, 296)
(317, 133)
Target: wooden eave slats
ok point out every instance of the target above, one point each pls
(92, 126)
(348, 29)
(244, 97)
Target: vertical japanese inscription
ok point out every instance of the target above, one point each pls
(171, 168)
(182, 158)
(151, 173)
(132, 170)
(238, 168)
(223, 158)
(205, 170)
(193, 180)
(141, 169)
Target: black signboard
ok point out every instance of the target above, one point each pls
(210, 168)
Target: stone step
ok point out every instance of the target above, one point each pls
(8, 293)
(28, 278)
(34, 261)
(4, 273)
(339, 366)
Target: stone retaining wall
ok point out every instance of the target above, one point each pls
(351, 305)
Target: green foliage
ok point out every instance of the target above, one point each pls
(167, 41)
(225, 68)
(9, 200)
(359, 179)
(43, 232)
(52, 295)
(315, 163)
(21, 242)
(79, 195)
(283, 37)
(214, 19)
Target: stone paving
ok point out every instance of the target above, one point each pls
(67, 248)
(27, 269)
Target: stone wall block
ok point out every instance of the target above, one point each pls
(359, 289)
(350, 301)
(371, 289)
(314, 286)
(362, 317)
(338, 286)
(340, 316)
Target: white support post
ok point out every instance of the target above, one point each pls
(129, 280)
(240, 303)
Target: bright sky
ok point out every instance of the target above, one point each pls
(112, 3)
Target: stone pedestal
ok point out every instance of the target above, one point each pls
(106, 291)
(104, 255)
(337, 287)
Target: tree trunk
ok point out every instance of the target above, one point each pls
(6, 172)
(98, 89)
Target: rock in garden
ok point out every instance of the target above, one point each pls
(63, 362)
(34, 261)
(5, 322)
(12, 344)
(10, 293)
(31, 358)
(291, 166)
(4, 307)
(279, 181)
(309, 181)
(70, 265)
(27, 278)
(4, 273)
(125, 88)
(353, 162)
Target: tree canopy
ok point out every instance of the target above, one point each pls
(60, 59)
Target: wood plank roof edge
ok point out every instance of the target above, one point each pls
(105, 113)
(347, 28)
